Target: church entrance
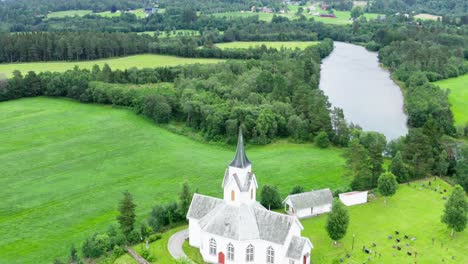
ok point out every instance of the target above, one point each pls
(305, 259)
(221, 258)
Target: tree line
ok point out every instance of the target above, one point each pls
(275, 96)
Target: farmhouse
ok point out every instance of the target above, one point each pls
(238, 229)
(309, 203)
(353, 198)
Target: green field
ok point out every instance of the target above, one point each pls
(140, 13)
(65, 164)
(139, 61)
(269, 44)
(458, 97)
(414, 211)
(68, 13)
(342, 17)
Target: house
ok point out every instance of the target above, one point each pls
(150, 10)
(324, 7)
(328, 15)
(238, 229)
(309, 204)
(353, 198)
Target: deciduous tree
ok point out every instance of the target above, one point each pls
(337, 221)
(456, 210)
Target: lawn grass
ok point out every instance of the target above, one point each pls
(69, 13)
(65, 165)
(414, 211)
(139, 13)
(193, 253)
(458, 97)
(139, 61)
(269, 44)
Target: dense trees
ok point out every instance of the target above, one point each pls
(42, 46)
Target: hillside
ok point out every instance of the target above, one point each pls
(65, 164)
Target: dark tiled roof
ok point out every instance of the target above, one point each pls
(240, 160)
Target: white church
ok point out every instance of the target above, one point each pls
(238, 229)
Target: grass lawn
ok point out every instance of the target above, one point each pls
(68, 13)
(65, 165)
(269, 44)
(139, 61)
(458, 97)
(193, 253)
(140, 13)
(414, 211)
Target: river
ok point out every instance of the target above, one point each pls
(353, 80)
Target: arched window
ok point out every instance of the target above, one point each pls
(213, 247)
(230, 252)
(270, 255)
(249, 253)
(233, 196)
(251, 194)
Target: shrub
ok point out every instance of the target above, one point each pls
(154, 237)
(321, 140)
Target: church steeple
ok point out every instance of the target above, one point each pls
(240, 160)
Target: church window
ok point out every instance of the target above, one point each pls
(213, 247)
(251, 194)
(249, 254)
(270, 255)
(230, 252)
(233, 196)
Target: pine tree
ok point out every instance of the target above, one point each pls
(357, 164)
(456, 210)
(387, 184)
(185, 199)
(127, 215)
(397, 167)
(338, 221)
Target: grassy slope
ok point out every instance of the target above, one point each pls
(139, 13)
(272, 44)
(458, 97)
(140, 61)
(64, 166)
(68, 13)
(413, 210)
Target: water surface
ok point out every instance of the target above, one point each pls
(353, 80)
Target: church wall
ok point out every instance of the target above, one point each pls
(194, 233)
(240, 247)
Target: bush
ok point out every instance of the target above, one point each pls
(321, 140)
(270, 197)
(95, 246)
(154, 237)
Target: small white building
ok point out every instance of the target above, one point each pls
(238, 229)
(353, 198)
(309, 204)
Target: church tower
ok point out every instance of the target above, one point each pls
(240, 185)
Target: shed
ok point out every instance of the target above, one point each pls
(309, 203)
(353, 198)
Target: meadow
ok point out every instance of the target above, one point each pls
(139, 13)
(342, 17)
(139, 61)
(414, 211)
(65, 165)
(458, 97)
(269, 44)
(68, 13)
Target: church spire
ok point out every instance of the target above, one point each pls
(240, 160)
